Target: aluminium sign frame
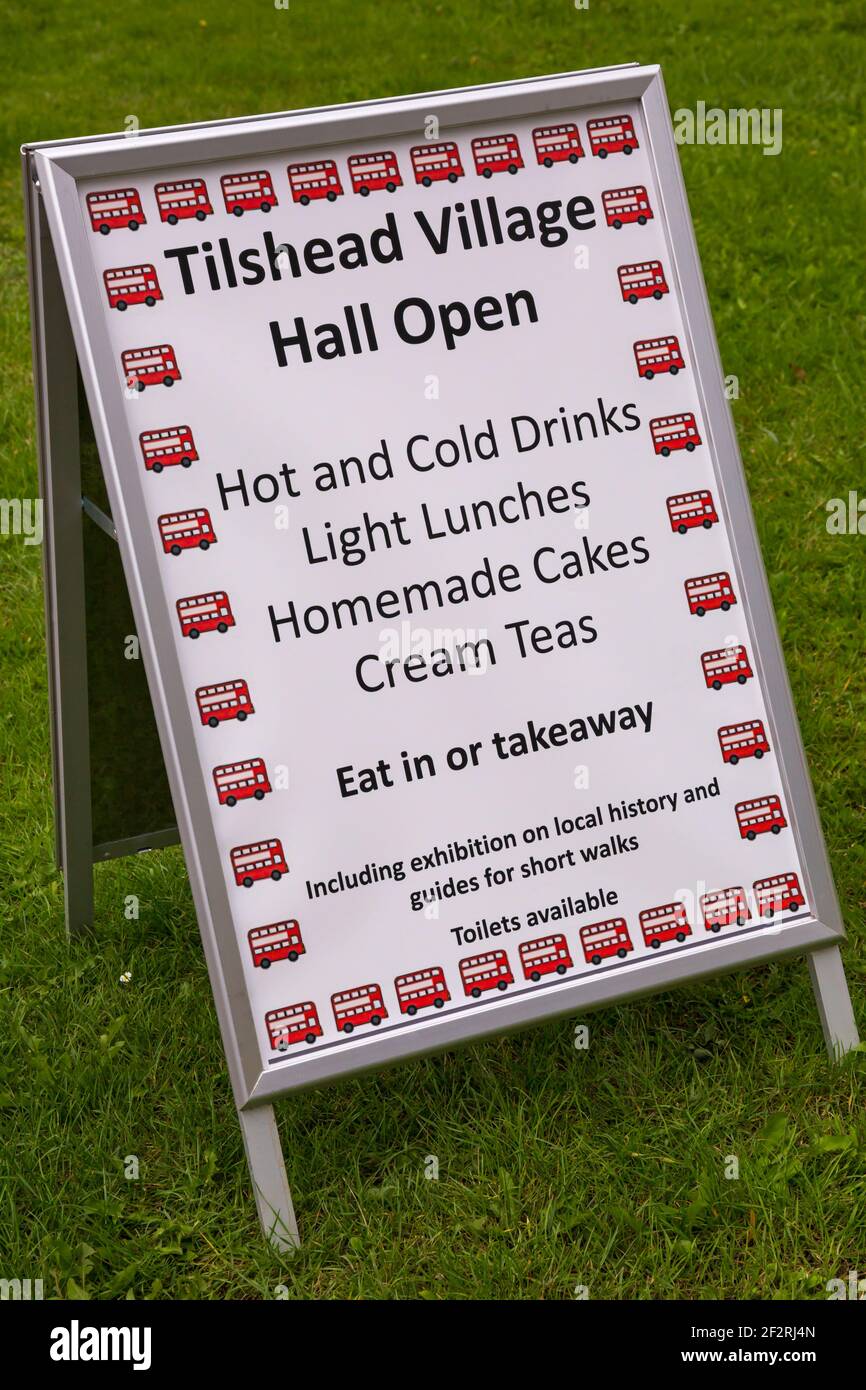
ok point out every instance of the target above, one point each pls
(57, 167)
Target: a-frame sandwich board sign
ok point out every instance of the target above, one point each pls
(438, 549)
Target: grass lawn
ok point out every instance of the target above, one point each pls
(557, 1167)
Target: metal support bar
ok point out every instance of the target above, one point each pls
(102, 520)
(268, 1172)
(833, 1000)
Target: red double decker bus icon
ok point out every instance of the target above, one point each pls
(293, 1023)
(726, 666)
(131, 284)
(686, 510)
(485, 972)
(547, 955)
(670, 432)
(600, 940)
(116, 207)
(622, 205)
(708, 591)
(276, 941)
(434, 162)
(654, 355)
(496, 154)
(555, 143)
(183, 199)
(760, 816)
(724, 906)
(779, 893)
(204, 613)
(150, 366)
(224, 700)
(264, 859)
(167, 447)
(318, 179)
(666, 923)
(611, 135)
(421, 989)
(248, 192)
(355, 1007)
(370, 172)
(186, 531)
(646, 280)
(236, 782)
(746, 740)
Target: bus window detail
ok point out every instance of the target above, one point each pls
(611, 135)
(689, 509)
(118, 207)
(666, 923)
(622, 205)
(546, 955)
(150, 366)
(780, 893)
(554, 143)
(708, 591)
(316, 180)
(646, 280)
(603, 939)
(248, 192)
(421, 989)
(496, 154)
(187, 198)
(293, 1024)
(236, 782)
(721, 908)
(726, 666)
(432, 163)
(226, 700)
(658, 355)
(262, 860)
(164, 448)
(355, 1007)
(204, 613)
(747, 740)
(370, 172)
(671, 432)
(277, 941)
(488, 971)
(760, 815)
(186, 531)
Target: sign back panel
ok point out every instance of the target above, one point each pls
(428, 498)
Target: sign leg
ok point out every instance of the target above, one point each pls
(268, 1172)
(56, 377)
(833, 1000)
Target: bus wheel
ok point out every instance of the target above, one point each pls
(657, 294)
(168, 381)
(438, 1003)
(681, 936)
(665, 452)
(266, 207)
(717, 685)
(276, 875)
(231, 801)
(700, 612)
(157, 467)
(626, 149)
(734, 759)
(617, 224)
(175, 550)
(503, 984)
(242, 714)
(476, 993)
(222, 627)
(716, 927)
(258, 794)
(304, 200)
(596, 960)
(247, 882)
(535, 977)
(487, 173)
(572, 159)
(674, 371)
(682, 530)
(741, 680)
(104, 230)
(649, 373)
(725, 605)
(452, 178)
(293, 956)
(690, 447)
(193, 632)
(391, 187)
(364, 192)
(265, 964)
(750, 834)
(213, 721)
(310, 1038)
(741, 922)
(238, 212)
(641, 220)
(150, 301)
(200, 216)
(654, 944)
(121, 305)
(412, 1010)
(172, 220)
(622, 953)
(348, 1027)
(632, 299)
(204, 545)
(427, 181)
(706, 525)
(331, 197)
(185, 462)
(774, 829)
(602, 154)
(548, 163)
(759, 752)
(375, 1020)
(561, 969)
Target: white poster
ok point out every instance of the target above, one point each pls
(447, 566)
